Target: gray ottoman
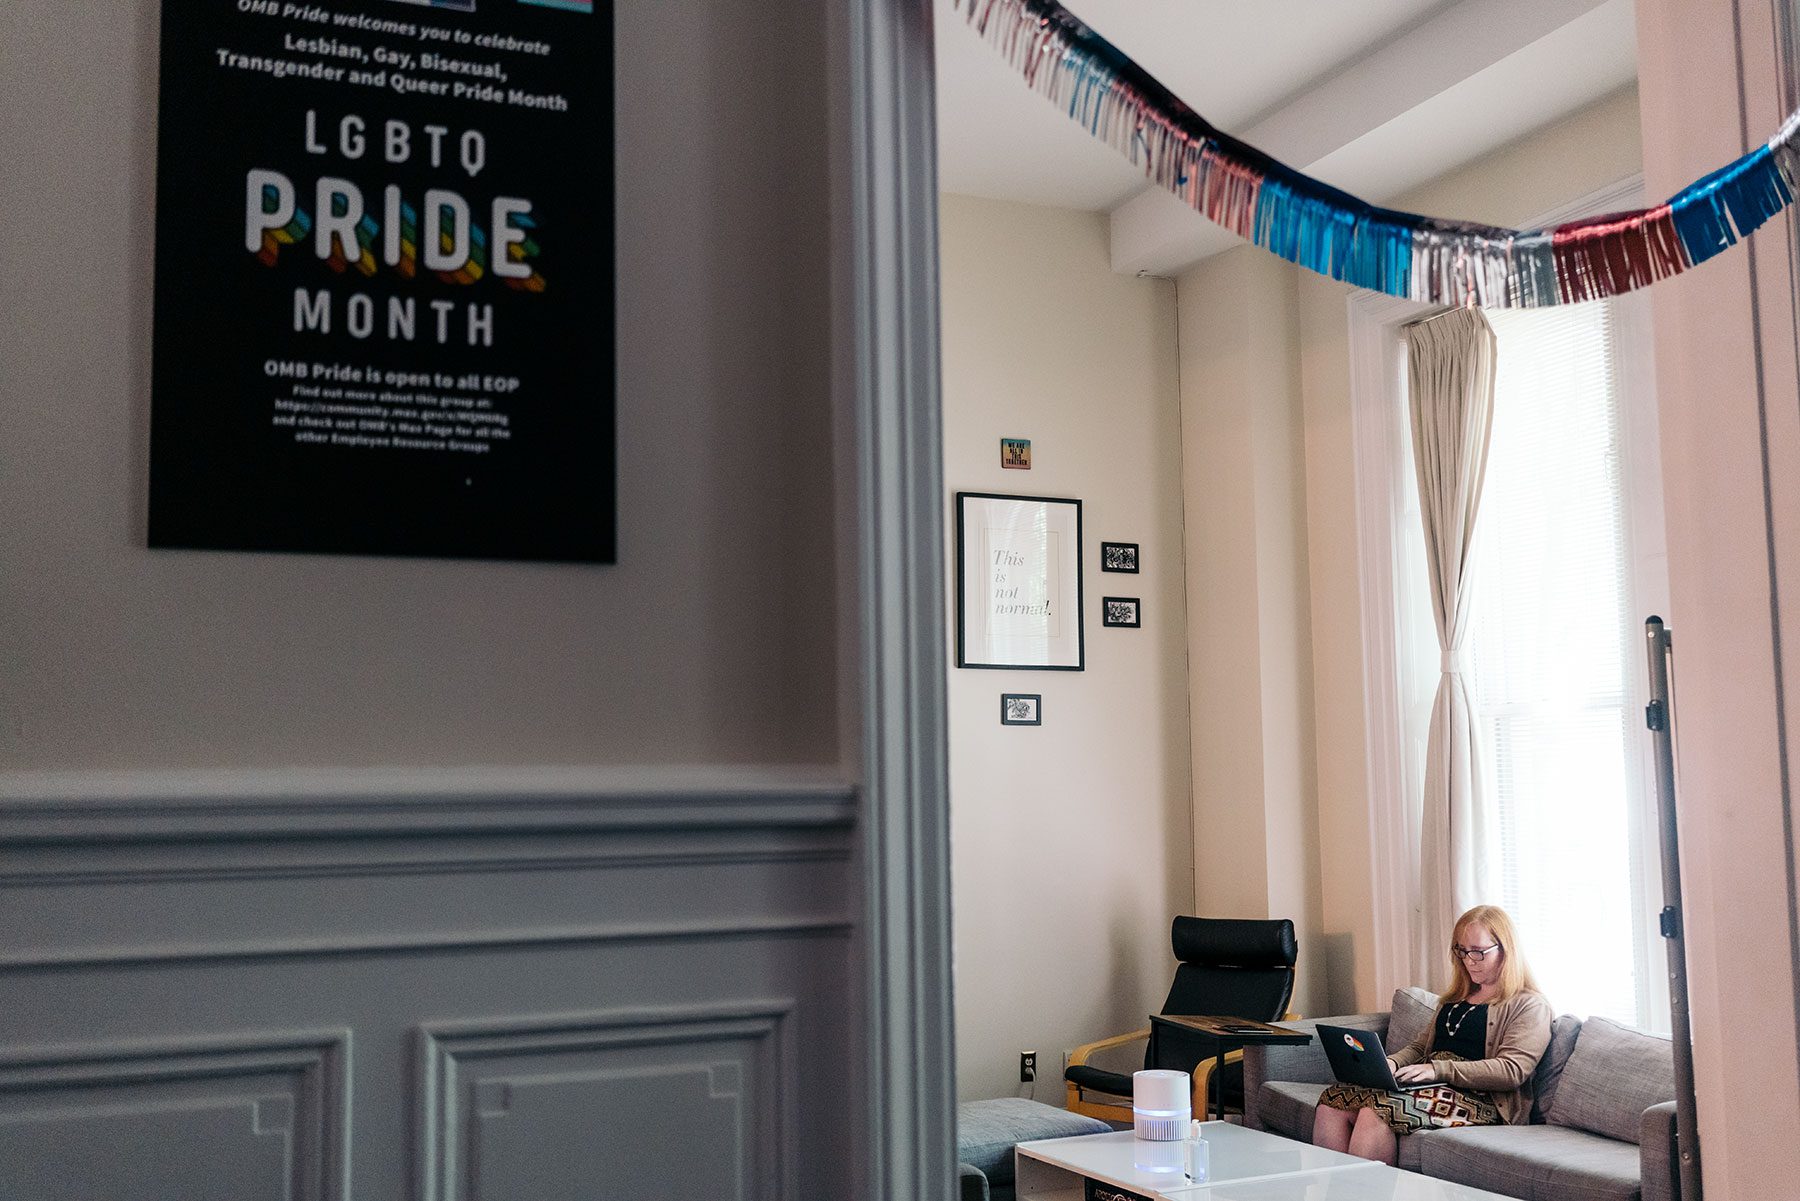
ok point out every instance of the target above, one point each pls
(987, 1130)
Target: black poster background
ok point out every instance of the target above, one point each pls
(223, 473)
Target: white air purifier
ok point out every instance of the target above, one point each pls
(1161, 1105)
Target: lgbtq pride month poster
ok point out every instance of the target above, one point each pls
(384, 279)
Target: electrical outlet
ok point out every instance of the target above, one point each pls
(1027, 1066)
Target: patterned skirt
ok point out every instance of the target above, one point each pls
(1437, 1105)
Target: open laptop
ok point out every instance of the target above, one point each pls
(1357, 1057)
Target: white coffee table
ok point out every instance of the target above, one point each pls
(1055, 1169)
(1379, 1183)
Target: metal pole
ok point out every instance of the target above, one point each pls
(1660, 717)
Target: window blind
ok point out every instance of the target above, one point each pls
(1550, 640)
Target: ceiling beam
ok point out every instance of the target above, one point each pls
(1436, 82)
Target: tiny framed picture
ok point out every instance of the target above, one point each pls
(1119, 556)
(1021, 708)
(1123, 611)
(1015, 454)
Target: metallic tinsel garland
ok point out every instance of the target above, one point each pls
(1336, 234)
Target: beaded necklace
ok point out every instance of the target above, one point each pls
(1452, 1026)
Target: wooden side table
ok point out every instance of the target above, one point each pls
(1223, 1035)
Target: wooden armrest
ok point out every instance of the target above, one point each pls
(1203, 1073)
(1080, 1054)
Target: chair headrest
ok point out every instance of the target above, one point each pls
(1232, 942)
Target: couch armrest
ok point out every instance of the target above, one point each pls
(1659, 1163)
(1304, 1065)
(972, 1183)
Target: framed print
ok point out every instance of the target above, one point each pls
(1119, 556)
(1021, 708)
(1124, 611)
(1015, 454)
(1018, 582)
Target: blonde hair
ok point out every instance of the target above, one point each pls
(1515, 973)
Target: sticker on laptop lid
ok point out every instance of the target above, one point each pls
(1350, 1041)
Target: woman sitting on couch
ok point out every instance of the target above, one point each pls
(1479, 1052)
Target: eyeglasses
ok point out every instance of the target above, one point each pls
(1474, 954)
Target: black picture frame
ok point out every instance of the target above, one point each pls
(1119, 553)
(1113, 612)
(1067, 650)
(1014, 706)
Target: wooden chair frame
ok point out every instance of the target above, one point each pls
(1120, 1111)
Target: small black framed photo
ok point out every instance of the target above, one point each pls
(1021, 708)
(1124, 611)
(1119, 556)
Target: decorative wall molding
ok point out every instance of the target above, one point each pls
(748, 927)
(314, 1113)
(115, 807)
(179, 862)
(451, 1096)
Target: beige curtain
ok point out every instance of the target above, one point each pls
(1450, 385)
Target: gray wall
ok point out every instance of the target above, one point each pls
(314, 987)
(712, 641)
(295, 901)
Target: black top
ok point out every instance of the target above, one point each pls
(1461, 1029)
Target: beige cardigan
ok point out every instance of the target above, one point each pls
(1518, 1031)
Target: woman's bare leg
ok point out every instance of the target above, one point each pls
(1371, 1138)
(1331, 1127)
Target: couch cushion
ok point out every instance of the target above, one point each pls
(1614, 1074)
(987, 1130)
(1564, 1031)
(1414, 1011)
(1536, 1163)
(1287, 1108)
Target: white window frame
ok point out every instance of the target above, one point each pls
(1379, 440)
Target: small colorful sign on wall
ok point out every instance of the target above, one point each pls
(384, 279)
(1015, 454)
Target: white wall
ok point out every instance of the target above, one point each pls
(1070, 840)
(712, 641)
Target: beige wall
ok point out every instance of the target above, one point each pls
(1070, 841)
(1727, 382)
(713, 639)
(1255, 811)
(1281, 804)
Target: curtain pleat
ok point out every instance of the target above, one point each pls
(1450, 387)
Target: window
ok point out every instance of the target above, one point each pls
(1567, 566)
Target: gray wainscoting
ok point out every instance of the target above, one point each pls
(442, 987)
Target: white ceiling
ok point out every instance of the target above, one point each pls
(1374, 96)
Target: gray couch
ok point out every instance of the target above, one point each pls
(1603, 1124)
